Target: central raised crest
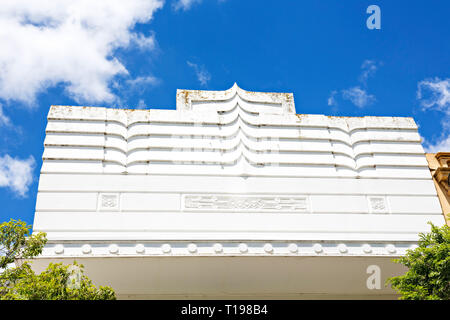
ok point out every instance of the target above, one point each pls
(257, 102)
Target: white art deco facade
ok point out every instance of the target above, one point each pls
(232, 195)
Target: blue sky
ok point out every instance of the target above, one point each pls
(136, 53)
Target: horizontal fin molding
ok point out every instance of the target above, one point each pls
(240, 167)
(222, 184)
(197, 224)
(231, 135)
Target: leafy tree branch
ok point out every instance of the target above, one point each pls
(428, 275)
(57, 282)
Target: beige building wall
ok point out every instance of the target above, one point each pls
(439, 164)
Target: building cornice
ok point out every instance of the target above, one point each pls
(442, 176)
(439, 165)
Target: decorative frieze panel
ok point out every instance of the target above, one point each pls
(378, 205)
(246, 203)
(109, 202)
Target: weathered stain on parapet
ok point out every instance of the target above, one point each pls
(185, 99)
(185, 94)
(301, 116)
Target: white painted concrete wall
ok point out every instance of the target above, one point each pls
(230, 166)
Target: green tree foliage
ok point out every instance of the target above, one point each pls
(17, 243)
(57, 282)
(428, 275)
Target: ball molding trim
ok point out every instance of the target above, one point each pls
(223, 248)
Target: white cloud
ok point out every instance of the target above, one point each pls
(369, 67)
(16, 174)
(4, 120)
(331, 99)
(71, 42)
(143, 42)
(187, 4)
(142, 81)
(442, 145)
(132, 88)
(359, 97)
(202, 74)
(141, 104)
(184, 4)
(435, 94)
